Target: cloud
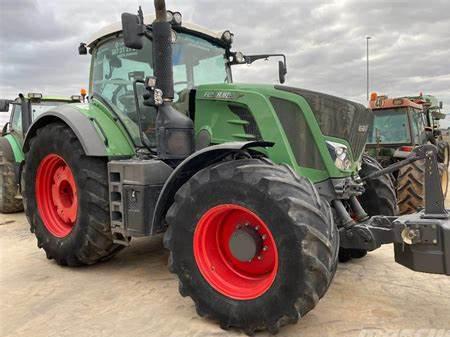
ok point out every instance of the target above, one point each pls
(324, 41)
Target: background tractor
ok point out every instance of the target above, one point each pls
(24, 110)
(400, 125)
(240, 178)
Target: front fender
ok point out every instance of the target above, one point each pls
(188, 168)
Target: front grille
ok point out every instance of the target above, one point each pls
(298, 133)
(338, 117)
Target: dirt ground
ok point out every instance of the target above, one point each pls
(135, 295)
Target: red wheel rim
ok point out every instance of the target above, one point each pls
(230, 276)
(56, 195)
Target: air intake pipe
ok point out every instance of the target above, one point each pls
(162, 50)
(174, 130)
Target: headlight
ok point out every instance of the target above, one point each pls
(339, 153)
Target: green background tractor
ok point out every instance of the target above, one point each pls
(400, 125)
(24, 110)
(240, 178)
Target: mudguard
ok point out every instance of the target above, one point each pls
(188, 168)
(93, 143)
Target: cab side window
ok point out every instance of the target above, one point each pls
(415, 127)
(16, 120)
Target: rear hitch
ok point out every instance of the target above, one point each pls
(421, 240)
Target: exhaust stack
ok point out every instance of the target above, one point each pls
(162, 51)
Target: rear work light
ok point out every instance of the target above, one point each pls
(35, 95)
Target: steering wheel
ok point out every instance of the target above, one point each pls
(121, 85)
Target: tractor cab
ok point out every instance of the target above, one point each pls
(25, 109)
(432, 110)
(399, 125)
(199, 56)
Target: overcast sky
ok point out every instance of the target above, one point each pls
(324, 42)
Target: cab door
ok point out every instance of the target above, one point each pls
(16, 126)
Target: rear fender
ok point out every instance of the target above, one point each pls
(81, 125)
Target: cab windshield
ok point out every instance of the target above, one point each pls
(390, 126)
(115, 68)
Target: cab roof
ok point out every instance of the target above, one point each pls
(54, 98)
(384, 102)
(148, 20)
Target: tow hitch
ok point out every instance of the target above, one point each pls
(421, 240)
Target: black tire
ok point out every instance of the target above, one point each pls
(8, 180)
(301, 224)
(443, 154)
(379, 198)
(410, 186)
(90, 240)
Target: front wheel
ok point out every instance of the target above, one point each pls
(252, 244)
(66, 198)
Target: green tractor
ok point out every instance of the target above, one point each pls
(400, 125)
(256, 187)
(24, 110)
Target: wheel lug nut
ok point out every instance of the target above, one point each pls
(259, 257)
(265, 248)
(264, 236)
(257, 228)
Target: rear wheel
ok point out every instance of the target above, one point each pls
(252, 244)
(8, 180)
(410, 186)
(378, 199)
(66, 198)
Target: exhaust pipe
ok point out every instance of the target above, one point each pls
(162, 51)
(174, 130)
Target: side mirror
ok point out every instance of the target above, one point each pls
(441, 105)
(82, 49)
(133, 31)
(282, 71)
(4, 105)
(5, 129)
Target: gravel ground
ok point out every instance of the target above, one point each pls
(135, 295)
